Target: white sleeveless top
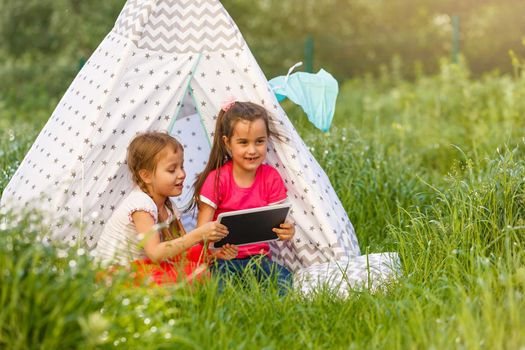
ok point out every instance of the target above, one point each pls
(119, 241)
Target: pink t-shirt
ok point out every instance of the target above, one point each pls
(267, 189)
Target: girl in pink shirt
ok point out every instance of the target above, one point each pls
(235, 178)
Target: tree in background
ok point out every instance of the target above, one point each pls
(356, 37)
(43, 42)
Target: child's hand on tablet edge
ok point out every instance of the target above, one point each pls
(226, 252)
(285, 231)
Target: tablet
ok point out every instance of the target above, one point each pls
(254, 225)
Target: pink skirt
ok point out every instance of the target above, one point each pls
(190, 266)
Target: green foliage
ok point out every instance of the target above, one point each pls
(45, 291)
(353, 37)
(27, 27)
(43, 42)
(41, 45)
(14, 144)
(391, 138)
(433, 169)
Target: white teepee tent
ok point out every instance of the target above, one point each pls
(167, 65)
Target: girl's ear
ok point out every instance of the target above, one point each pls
(145, 176)
(226, 141)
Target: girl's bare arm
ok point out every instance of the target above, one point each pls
(157, 250)
(205, 215)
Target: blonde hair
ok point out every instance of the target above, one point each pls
(224, 126)
(143, 154)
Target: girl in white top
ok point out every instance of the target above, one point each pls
(133, 233)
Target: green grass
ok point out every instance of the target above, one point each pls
(433, 169)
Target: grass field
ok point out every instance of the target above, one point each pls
(433, 169)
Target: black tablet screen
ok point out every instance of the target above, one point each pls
(252, 227)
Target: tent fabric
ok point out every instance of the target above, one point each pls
(167, 65)
(366, 272)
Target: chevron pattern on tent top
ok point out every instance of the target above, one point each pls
(189, 26)
(178, 26)
(130, 23)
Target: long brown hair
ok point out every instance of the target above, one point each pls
(224, 126)
(143, 154)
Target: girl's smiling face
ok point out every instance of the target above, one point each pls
(247, 145)
(169, 175)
